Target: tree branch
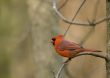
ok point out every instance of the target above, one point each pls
(75, 16)
(63, 4)
(108, 40)
(76, 22)
(81, 54)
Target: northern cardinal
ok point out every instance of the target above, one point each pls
(68, 49)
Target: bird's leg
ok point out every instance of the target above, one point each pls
(67, 60)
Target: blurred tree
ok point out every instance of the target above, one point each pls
(26, 27)
(13, 29)
(43, 28)
(32, 56)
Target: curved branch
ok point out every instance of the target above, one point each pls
(93, 54)
(75, 16)
(63, 18)
(76, 23)
(81, 54)
(102, 20)
(60, 70)
(63, 4)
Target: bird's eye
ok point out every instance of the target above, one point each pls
(53, 39)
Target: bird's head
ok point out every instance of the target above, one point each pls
(56, 38)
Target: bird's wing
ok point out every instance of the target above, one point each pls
(66, 45)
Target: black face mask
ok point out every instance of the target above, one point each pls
(53, 41)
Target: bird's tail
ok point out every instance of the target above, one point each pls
(91, 50)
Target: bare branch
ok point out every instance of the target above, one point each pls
(75, 15)
(95, 10)
(63, 4)
(64, 19)
(75, 22)
(93, 54)
(86, 23)
(102, 20)
(61, 68)
(81, 54)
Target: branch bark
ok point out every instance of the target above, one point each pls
(81, 54)
(108, 41)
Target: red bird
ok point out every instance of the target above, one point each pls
(68, 49)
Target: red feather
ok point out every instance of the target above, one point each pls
(68, 49)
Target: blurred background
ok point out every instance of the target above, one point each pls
(26, 29)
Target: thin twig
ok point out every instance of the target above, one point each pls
(61, 68)
(87, 36)
(93, 54)
(102, 20)
(63, 4)
(63, 18)
(75, 22)
(94, 14)
(75, 16)
(95, 11)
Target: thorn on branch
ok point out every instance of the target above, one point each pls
(91, 23)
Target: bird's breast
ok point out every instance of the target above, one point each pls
(64, 53)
